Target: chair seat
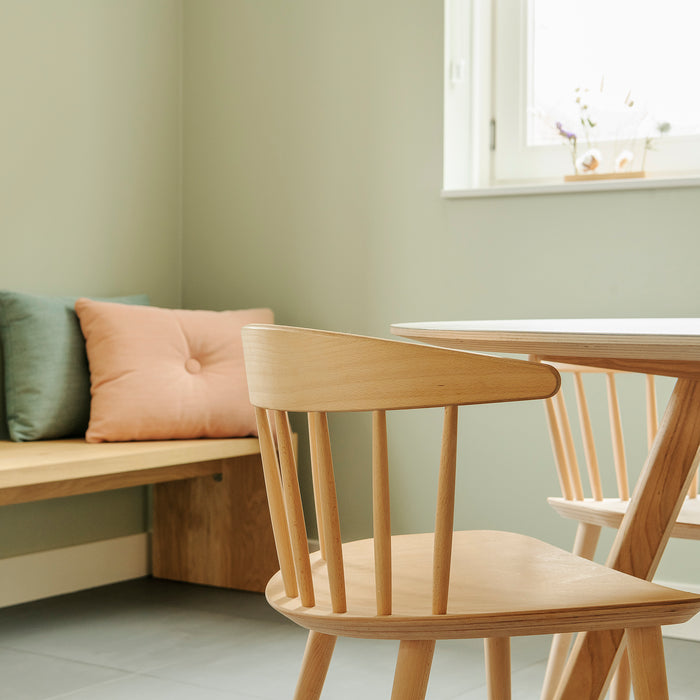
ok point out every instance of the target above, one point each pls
(609, 511)
(502, 584)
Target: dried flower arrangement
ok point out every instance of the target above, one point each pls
(634, 130)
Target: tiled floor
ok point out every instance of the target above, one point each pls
(155, 640)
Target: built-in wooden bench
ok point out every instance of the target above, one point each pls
(210, 518)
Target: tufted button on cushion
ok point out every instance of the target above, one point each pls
(159, 374)
(193, 366)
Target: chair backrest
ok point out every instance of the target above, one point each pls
(561, 433)
(317, 372)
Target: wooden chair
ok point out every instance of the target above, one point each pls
(598, 509)
(420, 588)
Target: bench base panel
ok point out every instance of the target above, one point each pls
(215, 531)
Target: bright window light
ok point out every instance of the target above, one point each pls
(541, 92)
(621, 65)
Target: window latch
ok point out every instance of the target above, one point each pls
(458, 70)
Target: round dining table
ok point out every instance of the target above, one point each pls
(661, 346)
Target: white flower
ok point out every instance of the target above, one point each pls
(623, 161)
(589, 161)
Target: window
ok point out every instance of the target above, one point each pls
(536, 90)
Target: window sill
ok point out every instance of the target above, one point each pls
(647, 183)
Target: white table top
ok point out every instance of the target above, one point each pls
(666, 339)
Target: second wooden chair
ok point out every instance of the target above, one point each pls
(604, 453)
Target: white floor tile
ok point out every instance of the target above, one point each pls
(152, 640)
(144, 687)
(25, 676)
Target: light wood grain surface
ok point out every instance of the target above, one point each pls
(215, 531)
(31, 471)
(485, 565)
(377, 377)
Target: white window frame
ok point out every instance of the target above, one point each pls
(467, 93)
(485, 127)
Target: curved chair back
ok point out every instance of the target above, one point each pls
(318, 372)
(561, 433)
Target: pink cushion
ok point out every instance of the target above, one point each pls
(159, 374)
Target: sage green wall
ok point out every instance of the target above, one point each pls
(90, 188)
(312, 166)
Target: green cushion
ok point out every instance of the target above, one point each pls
(4, 434)
(47, 380)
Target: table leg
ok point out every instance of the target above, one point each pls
(644, 533)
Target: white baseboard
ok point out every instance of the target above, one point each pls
(688, 630)
(58, 571)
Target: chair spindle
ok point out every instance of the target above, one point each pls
(617, 439)
(588, 440)
(275, 498)
(330, 521)
(381, 514)
(316, 489)
(572, 461)
(444, 519)
(652, 412)
(558, 448)
(294, 508)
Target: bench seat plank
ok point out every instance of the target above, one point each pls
(31, 471)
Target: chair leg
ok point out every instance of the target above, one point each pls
(585, 545)
(646, 653)
(413, 669)
(498, 667)
(591, 679)
(622, 681)
(555, 664)
(314, 667)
